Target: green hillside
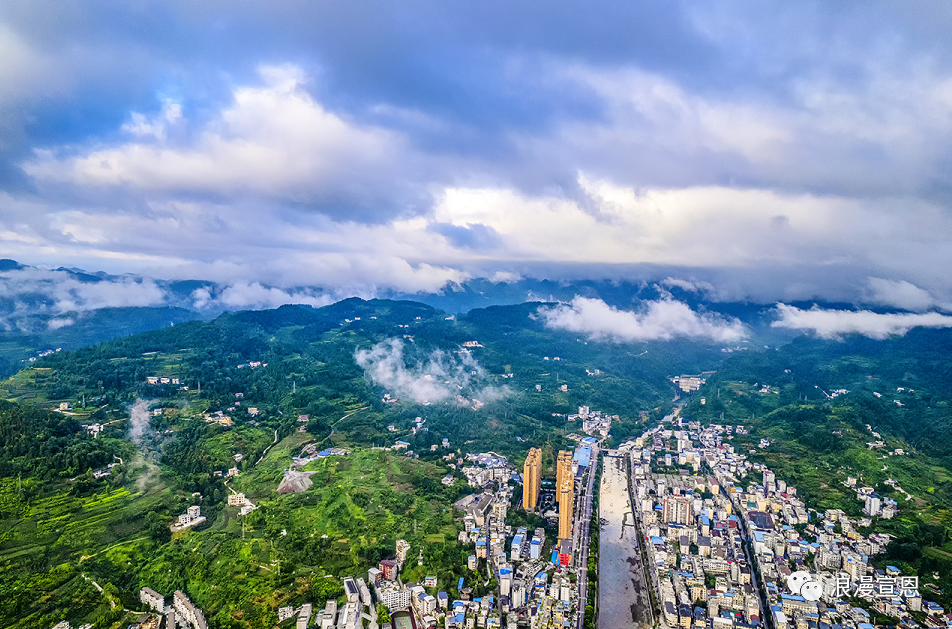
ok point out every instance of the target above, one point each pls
(63, 529)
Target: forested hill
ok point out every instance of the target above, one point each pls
(307, 366)
(192, 412)
(901, 385)
(39, 444)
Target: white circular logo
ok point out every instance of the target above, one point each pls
(803, 584)
(811, 590)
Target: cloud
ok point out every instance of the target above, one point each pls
(40, 291)
(56, 324)
(899, 294)
(139, 418)
(787, 152)
(834, 324)
(245, 296)
(141, 126)
(658, 320)
(504, 277)
(694, 286)
(435, 377)
(274, 140)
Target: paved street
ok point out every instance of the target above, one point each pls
(583, 519)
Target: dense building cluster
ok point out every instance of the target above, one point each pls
(729, 544)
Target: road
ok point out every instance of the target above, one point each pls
(766, 616)
(648, 568)
(583, 520)
(265, 453)
(647, 574)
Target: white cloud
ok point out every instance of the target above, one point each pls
(694, 286)
(57, 292)
(832, 324)
(274, 140)
(899, 294)
(888, 134)
(142, 126)
(659, 320)
(56, 324)
(506, 277)
(832, 179)
(243, 296)
(438, 376)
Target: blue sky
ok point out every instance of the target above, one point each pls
(757, 150)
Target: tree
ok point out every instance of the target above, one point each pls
(159, 532)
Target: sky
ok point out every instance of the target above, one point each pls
(766, 151)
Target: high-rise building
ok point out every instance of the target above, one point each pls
(677, 509)
(566, 498)
(402, 548)
(563, 470)
(532, 479)
(873, 504)
(769, 481)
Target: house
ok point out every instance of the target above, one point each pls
(304, 616)
(374, 576)
(185, 610)
(389, 569)
(153, 599)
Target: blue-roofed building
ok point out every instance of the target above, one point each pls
(583, 457)
(459, 586)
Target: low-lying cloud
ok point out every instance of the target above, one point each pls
(663, 320)
(899, 294)
(139, 417)
(61, 292)
(435, 377)
(244, 295)
(834, 324)
(31, 292)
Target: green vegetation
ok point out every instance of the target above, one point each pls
(64, 531)
(819, 437)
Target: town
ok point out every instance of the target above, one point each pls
(722, 542)
(695, 536)
(540, 579)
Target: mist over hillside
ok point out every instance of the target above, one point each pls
(68, 308)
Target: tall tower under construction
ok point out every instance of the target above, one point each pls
(531, 479)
